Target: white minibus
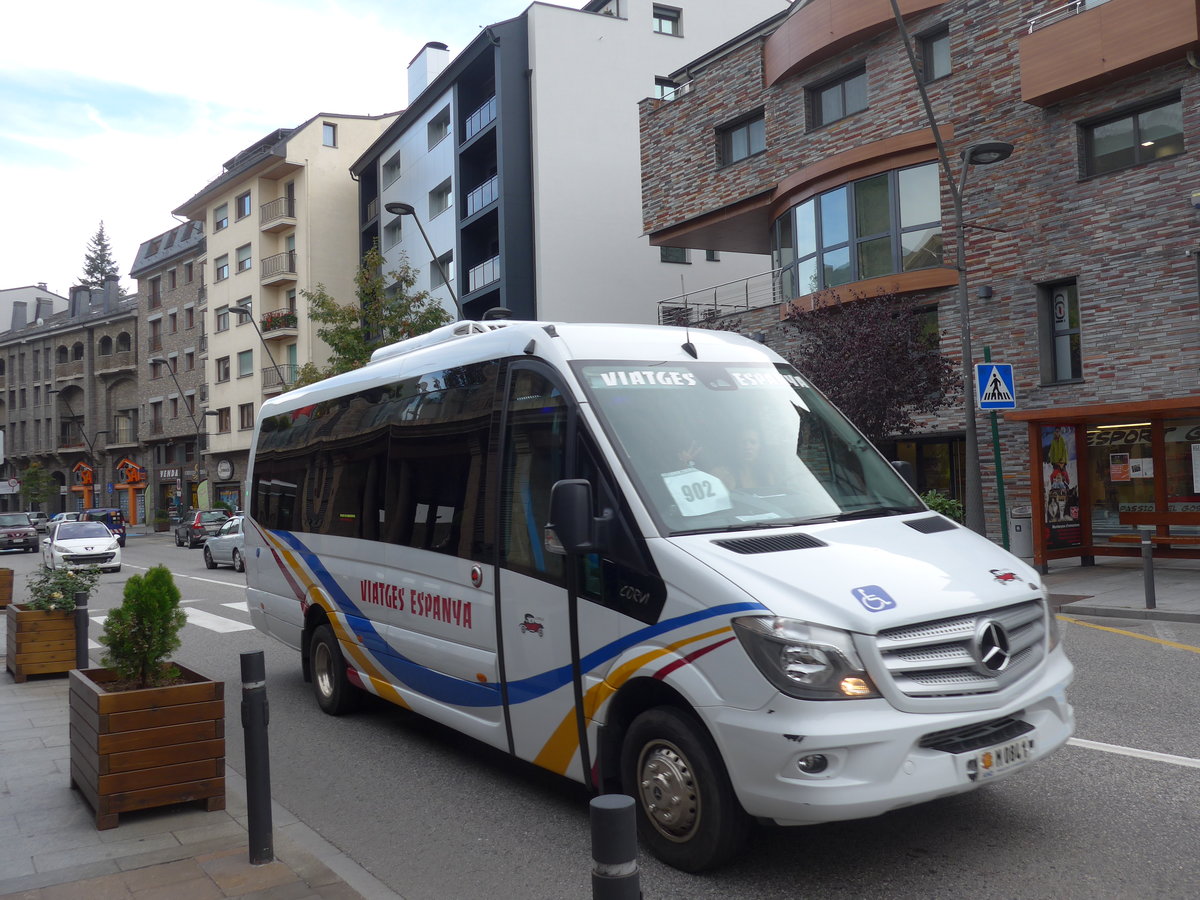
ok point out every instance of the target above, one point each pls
(654, 560)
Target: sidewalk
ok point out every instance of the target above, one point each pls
(1115, 586)
(50, 848)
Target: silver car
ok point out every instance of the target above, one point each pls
(226, 547)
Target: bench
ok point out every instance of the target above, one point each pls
(1157, 539)
(1147, 520)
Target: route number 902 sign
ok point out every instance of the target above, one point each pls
(696, 492)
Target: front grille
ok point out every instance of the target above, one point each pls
(87, 559)
(773, 544)
(936, 659)
(976, 737)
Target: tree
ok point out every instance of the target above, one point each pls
(875, 358)
(381, 316)
(99, 263)
(36, 485)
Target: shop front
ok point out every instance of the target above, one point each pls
(1099, 473)
(129, 487)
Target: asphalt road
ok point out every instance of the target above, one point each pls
(435, 815)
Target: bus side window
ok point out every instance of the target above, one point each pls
(534, 458)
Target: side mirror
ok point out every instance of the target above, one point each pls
(572, 528)
(906, 472)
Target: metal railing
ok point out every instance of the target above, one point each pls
(272, 379)
(282, 208)
(124, 431)
(1074, 8)
(484, 274)
(372, 208)
(480, 119)
(280, 264)
(710, 303)
(279, 318)
(486, 193)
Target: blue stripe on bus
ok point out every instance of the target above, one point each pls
(458, 691)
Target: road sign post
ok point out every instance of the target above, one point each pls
(994, 389)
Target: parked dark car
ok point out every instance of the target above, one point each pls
(198, 524)
(17, 532)
(110, 516)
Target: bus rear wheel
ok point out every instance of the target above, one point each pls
(688, 815)
(335, 694)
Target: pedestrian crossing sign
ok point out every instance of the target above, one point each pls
(994, 386)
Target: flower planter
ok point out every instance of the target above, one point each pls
(40, 641)
(6, 579)
(145, 748)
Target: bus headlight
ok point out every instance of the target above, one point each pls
(810, 662)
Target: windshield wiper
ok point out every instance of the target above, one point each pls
(872, 512)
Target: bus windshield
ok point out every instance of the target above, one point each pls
(718, 447)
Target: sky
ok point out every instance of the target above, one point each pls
(120, 112)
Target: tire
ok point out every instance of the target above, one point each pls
(688, 815)
(178, 540)
(239, 564)
(208, 560)
(191, 544)
(335, 694)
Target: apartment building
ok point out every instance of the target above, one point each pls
(279, 220)
(520, 161)
(170, 421)
(22, 305)
(808, 139)
(71, 400)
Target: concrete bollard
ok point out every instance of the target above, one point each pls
(255, 714)
(81, 630)
(615, 873)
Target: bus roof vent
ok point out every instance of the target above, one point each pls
(451, 332)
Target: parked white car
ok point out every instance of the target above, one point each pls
(73, 544)
(226, 547)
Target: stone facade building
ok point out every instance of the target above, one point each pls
(807, 137)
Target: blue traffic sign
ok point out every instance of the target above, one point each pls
(994, 388)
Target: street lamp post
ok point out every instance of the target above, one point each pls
(195, 422)
(407, 209)
(243, 312)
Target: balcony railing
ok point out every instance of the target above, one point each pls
(280, 264)
(480, 119)
(279, 318)
(156, 426)
(483, 195)
(155, 342)
(285, 377)
(282, 208)
(709, 304)
(372, 208)
(484, 274)
(124, 431)
(1074, 8)
(202, 293)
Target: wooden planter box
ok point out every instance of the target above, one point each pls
(145, 748)
(6, 578)
(40, 641)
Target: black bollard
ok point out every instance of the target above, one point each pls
(615, 873)
(1148, 565)
(81, 630)
(255, 714)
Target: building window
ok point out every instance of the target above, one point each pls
(188, 273)
(243, 258)
(439, 127)
(172, 323)
(888, 223)
(742, 139)
(221, 318)
(665, 88)
(328, 136)
(245, 416)
(221, 217)
(935, 54)
(440, 198)
(242, 205)
(1143, 135)
(391, 233)
(221, 268)
(173, 406)
(391, 169)
(245, 363)
(189, 317)
(155, 300)
(170, 279)
(444, 263)
(668, 20)
(223, 420)
(673, 254)
(189, 360)
(222, 369)
(1062, 351)
(838, 98)
(712, 255)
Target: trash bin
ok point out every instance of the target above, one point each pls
(1020, 531)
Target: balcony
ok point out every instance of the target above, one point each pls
(202, 293)
(71, 369)
(155, 342)
(277, 215)
(276, 381)
(484, 274)
(1085, 45)
(122, 361)
(279, 324)
(156, 426)
(711, 303)
(278, 269)
(482, 196)
(484, 116)
(372, 209)
(202, 343)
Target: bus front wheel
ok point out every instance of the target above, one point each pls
(688, 815)
(335, 694)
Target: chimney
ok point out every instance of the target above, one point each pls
(425, 67)
(19, 315)
(42, 285)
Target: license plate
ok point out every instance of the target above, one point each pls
(997, 760)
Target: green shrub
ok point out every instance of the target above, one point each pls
(947, 506)
(144, 630)
(55, 588)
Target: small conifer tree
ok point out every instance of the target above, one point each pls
(144, 630)
(99, 263)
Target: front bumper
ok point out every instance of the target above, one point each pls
(875, 759)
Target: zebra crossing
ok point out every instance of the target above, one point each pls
(198, 617)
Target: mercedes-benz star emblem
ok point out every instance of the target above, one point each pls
(991, 647)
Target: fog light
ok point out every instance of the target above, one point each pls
(854, 686)
(813, 765)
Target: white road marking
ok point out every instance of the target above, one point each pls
(243, 606)
(214, 622)
(193, 577)
(1140, 754)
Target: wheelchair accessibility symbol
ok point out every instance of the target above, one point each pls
(873, 598)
